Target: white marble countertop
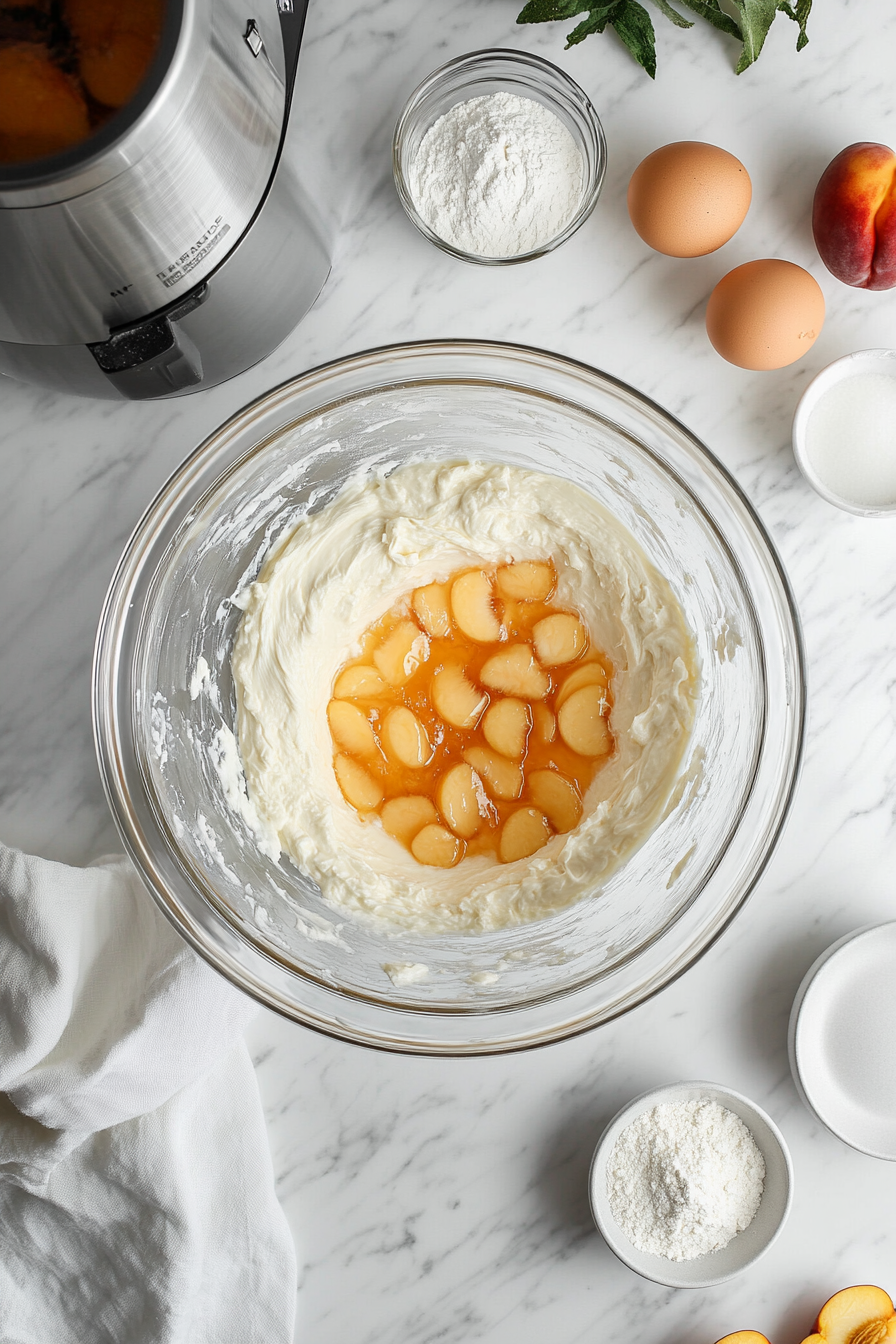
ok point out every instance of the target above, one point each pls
(445, 1200)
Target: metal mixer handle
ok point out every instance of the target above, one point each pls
(292, 24)
(154, 357)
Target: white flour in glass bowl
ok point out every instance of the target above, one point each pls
(497, 176)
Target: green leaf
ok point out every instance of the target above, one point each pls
(672, 14)
(596, 22)
(756, 17)
(800, 16)
(714, 14)
(546, 11)
(633, 25)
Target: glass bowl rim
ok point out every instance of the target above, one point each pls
(208, 456)
(381, 999)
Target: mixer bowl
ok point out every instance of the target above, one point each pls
(162, 724)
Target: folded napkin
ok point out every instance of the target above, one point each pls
(137, 1201)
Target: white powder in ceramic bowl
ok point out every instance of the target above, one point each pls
(497, 176)
(851, 439)
(684, 1179)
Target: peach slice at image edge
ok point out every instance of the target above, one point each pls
(862, 1314)
(744, 1337)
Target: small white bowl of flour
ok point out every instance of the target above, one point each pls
(690, 1184)
(498, 157)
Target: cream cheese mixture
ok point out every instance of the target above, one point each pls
(338, 570)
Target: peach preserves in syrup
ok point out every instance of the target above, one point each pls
(475, 717)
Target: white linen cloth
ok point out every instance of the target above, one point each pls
(137, 1201)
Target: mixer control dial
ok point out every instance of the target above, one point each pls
(253, 39)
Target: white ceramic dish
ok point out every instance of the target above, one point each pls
(842, 1040)
(707, 1270)
(850, 366)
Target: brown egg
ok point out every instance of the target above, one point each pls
(689, 198)
(765, 314)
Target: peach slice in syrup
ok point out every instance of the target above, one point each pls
(402, 818)
(544, 724)
(471, 607)
(456, 699)
(525, 581)
(360, 788)
(506, 726)
(437, 847)
(589, 674)
(559, 639)
(582, 724)
(401, 653)
(515, 672)
(523, 833)
(557, 798)
(405, 739)
(457, 798)
(350, 729)
(431, 607)
(502, 778)
(359, 682)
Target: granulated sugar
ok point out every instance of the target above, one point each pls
(684, 1178)
(497, 176)
(851, 439)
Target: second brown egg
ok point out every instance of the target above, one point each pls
(687, 199)
(765, 314)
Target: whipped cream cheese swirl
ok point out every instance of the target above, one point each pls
(337, 571)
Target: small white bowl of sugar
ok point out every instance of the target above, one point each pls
(690, 1184)
(844, 433)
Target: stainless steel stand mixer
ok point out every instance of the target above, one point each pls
(174, 247)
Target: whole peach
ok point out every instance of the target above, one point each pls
(854, 216)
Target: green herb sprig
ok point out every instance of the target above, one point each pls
(633, 25)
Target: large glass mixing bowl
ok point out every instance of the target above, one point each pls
(174, 601)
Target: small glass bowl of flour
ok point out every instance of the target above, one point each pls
(690, 1184)
(498, 157)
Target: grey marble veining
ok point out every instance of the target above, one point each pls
(445, 1200)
